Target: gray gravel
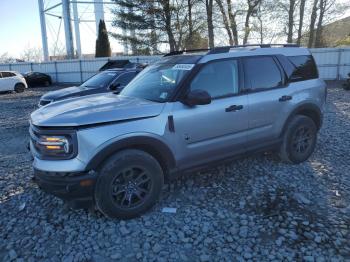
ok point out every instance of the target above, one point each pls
(251, 209)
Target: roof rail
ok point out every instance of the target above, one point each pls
(226, 49)
(180, 52)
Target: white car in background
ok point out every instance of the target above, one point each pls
(12, 81)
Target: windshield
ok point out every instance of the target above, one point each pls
(100, 80)
(157, 82)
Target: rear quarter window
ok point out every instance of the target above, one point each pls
(305, 68)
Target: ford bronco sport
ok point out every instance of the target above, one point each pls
(114, 151)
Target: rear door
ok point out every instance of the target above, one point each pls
(209, 132)
(268, 98)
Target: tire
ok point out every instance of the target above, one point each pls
(299, 140)
(19, 88)
(117, 194)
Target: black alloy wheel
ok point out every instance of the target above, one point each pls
(302, 139)
(299, 140)
(131, 187)
(129, 183)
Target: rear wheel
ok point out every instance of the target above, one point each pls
(299, 140)
(19, 88)
(129, 183)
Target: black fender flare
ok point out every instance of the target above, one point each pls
(306, 109)
(151, 145)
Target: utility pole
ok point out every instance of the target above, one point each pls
(99, 14)
(76, 28)
(68, 28)
(43, 30)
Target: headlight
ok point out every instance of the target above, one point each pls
(54, 146)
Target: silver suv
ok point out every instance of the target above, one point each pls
(190, 109)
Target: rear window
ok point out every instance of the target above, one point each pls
(261, 72)
(305, 68)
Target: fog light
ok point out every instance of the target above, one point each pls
(87, 182)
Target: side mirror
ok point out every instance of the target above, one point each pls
(114, 86)
(197, 97)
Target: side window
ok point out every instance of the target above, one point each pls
(261, 73)
(305, 68)
(5, 74)
(124, 79)
(219, 78)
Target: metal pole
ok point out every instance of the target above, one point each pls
(68, 28)
(76, 28)
(43, 30)
(99, 15)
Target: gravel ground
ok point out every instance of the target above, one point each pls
(251, 209)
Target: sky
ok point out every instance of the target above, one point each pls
(21, 27)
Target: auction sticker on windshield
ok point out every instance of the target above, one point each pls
(183, 66)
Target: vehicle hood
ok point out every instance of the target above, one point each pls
(94, 109)
(63, 93)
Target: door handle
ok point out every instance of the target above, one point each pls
(285, 98)
(233, 108)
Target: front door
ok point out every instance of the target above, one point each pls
(210, 132)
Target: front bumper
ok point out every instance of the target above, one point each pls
(77, 189)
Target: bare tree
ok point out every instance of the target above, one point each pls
(229, 20)
(233, 24)
(4, 57)
(209, 10)
(225, 21)
(32, 54)
(291, 9)
(190, 22)
(312, 24)
(252, 9)
(324, 7)
(301, 20)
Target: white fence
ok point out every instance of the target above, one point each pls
(333, 63)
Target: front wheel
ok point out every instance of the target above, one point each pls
(129, 183)
(299, 140)
(19, 88)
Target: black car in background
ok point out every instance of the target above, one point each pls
(37, 79)
(121, 63)
(103, 82)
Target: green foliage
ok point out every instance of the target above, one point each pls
(103, 47)
(151, 24)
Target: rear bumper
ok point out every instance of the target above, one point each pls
(77, 189)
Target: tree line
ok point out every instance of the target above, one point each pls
(148, 26)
